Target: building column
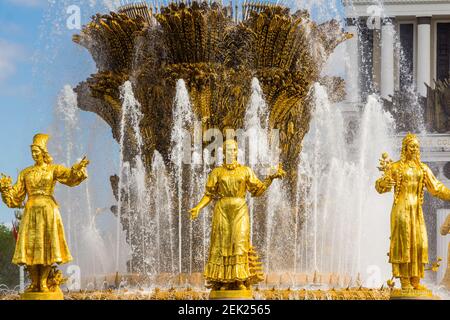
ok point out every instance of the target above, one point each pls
(423, 54)
(387, 58)
(352, 61)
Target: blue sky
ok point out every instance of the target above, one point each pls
(18, 102)
(22, 104)
(38, 57)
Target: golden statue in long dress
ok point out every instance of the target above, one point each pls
(409, 177)
(41, 242)
(445, 230)
(232, 264)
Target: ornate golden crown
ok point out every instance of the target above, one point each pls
(408, 138)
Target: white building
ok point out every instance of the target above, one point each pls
(400, 45)
(397, 44)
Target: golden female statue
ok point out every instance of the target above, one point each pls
(408, 252)
(445, 230)
(41, 241)
(232, 264)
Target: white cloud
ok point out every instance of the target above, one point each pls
(10, 55)
(111, 4)
(28, 3)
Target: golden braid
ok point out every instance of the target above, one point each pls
(408, 138)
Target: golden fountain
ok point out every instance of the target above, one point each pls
(217, 50)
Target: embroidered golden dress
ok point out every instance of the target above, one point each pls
(41, 239)
(230, 249)
(445, 230)
(408, 252)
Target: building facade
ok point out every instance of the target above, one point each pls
(398, 45)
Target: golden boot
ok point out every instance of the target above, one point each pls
(45, 271)
(406, 283)
(415, 281)
(240, 285)
(33, 272)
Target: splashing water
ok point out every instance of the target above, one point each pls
(260, 157)
(344, 216)
(161, 204)
(256, 125)
(66, 110)
(85, 239)
(132, 183)
(183, 120)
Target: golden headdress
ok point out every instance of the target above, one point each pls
(410, 137)
(40, 140)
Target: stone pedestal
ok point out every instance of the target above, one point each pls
(56, 295)
(231, 295)
(400, 294)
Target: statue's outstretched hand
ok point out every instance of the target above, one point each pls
(82, 164)
(280, 174)
(5, 182)
(194, 213)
